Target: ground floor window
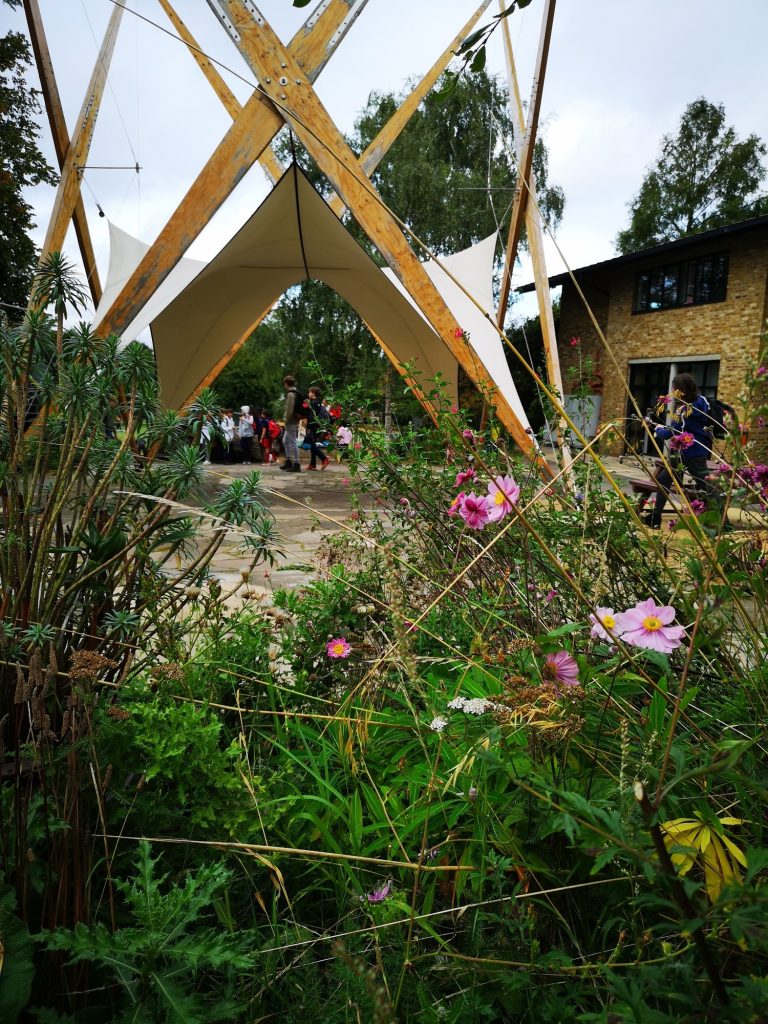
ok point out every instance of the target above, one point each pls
(648, 379)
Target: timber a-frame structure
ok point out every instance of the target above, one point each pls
(285, 95)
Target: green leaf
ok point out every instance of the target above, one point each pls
(478, 61)
(18, 968)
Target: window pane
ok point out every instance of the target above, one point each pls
(719, 278)
(655, 289)
(670, 285)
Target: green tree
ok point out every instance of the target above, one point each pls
(705, 177)
(450, 175)
(21, 164)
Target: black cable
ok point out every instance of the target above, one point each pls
(298, 208)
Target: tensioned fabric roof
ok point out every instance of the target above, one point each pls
(293, 236)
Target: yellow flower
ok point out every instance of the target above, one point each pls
(689, 840)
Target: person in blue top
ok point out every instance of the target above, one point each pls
(690, 442)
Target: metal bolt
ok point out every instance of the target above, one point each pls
(267, 80)
(298, 81)
(283, 80)
(283, 64)
(282, 95)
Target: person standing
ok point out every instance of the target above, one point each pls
(317, 423)
(690, 443)
(291, 419)
(227, 434)
(245, 433)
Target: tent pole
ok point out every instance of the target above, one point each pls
(61, 140)
(77, 153)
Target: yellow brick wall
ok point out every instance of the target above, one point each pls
(730, 329)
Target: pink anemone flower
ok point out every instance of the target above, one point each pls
(503, 495)
(463, 476)
(680, 442)
(603, 620)
(561, 668)
(338, 648)
(648, 625)
(474, 511)
(455, 507)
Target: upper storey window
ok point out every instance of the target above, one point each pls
(690, 283)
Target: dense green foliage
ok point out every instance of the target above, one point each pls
(22, 165)
(705, 177)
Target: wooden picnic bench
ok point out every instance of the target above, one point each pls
(648, 488)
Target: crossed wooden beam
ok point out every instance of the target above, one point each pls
(285, 96)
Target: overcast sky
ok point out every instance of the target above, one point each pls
(620, 74)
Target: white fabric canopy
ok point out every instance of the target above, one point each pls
(202, 312)
(125, 254)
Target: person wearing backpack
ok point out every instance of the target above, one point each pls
(690, 443)
(294, 412)
(318, 421)
(245, 433)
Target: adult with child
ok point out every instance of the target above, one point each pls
(318, 421)
(690, 443)
(293, 413)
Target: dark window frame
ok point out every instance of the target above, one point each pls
(695, 282)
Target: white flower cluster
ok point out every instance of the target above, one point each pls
(470, 706)
(280, 667)
(438, 724)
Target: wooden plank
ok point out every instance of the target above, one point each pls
(250, 134)
(525, 162)
(60, 136)
(77, 152)
(536, 250)
(380, 145)
(285, 82)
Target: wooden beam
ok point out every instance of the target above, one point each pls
(379, 147)
(250, 134)
(536, 249)
(272, 166)
(60, 136)
(77, 152)
(285, 82)
(525, 162)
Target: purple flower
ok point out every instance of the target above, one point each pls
(698, 506)
(463, 476)
(648, 625)
(503, 495)
(550, 596)
(561, 668)
(762, 371)
(603, 620)
(474, 511)
(468, 435)
(380, 894)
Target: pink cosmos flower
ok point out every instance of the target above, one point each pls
(603, 620)
(455, 506)
(338, 648)
(648, 625)
(680, 442)
(344, 435)
(474, 511)
(561, 668)
(458, 333)
(454, 409)
(574, 342)
(503, 495)
(463, 476)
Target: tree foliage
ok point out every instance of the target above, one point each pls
(21, 164)
(705, 177)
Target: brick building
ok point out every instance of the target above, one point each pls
(695, 305)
